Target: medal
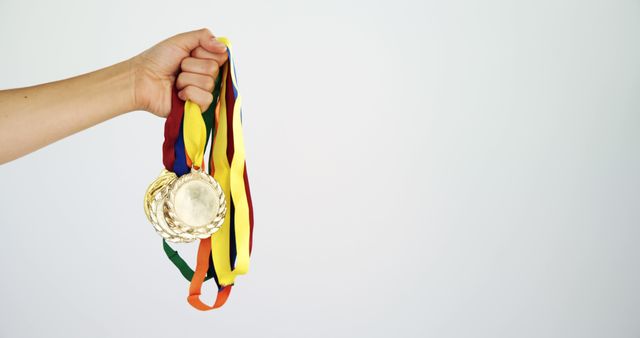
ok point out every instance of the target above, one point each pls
(195, 206)
(187, 208)
(154, 200)
(185, 203)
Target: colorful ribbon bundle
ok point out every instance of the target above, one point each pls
(225, 254)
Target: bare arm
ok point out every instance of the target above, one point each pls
(33, 117)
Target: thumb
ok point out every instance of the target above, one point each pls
(188, 41)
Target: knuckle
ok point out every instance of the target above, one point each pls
(185, 78)
(212, 66)
(185, 62)
(210, 83)
(189, 91)
(180, 81)
(198, 52)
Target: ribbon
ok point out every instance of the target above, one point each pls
(226, 254)
(171, 130)
(195, 133)
(184, 268)
(174, 159)
(229, 136)
(204, 252)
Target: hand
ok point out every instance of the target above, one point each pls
(194, 57)
(35, 116)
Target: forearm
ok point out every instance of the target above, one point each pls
(33, 117)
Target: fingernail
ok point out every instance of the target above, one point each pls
(218, 44)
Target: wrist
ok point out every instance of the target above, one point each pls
(131, 84)
(149, 88)
(118, 82)
(140, 79)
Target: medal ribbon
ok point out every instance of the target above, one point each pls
(175, 159)
(234, 237)
(186, 135)
(195, 133)
(229, 143)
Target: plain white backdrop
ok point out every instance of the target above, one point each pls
(418, 169)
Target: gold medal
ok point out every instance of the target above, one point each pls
(195, 206)
(154, 205)
(187, 208)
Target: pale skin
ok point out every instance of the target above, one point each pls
(33, 117)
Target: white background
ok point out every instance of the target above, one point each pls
(418, 169)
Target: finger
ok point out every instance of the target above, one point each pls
(196, 95)
(202, 53)
(204, 82)
(201, 37)
(200, 66)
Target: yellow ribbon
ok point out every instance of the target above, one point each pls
(229, 176)
(220, 239)
(238, 193)
(195, 133)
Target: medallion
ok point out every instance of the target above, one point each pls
(184, 209)
(154, 205)
(195, 206)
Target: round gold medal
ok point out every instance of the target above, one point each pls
(187, 208)
(195, 206)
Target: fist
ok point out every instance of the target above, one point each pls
(190, 61)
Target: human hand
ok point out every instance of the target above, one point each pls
(191, 60)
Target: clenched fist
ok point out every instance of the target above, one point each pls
(190, 60)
